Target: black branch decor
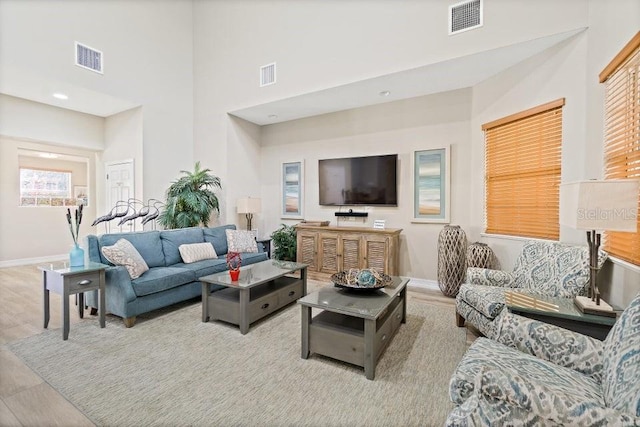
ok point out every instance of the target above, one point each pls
(78, 220)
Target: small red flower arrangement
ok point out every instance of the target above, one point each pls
(234, 261)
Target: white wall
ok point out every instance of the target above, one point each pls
(400, 127)
(30, 234)
(123, 141)
(148, 60)
(319, 44)
(25, 119)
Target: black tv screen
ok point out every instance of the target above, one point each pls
(370, 180)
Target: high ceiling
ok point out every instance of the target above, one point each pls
(432, 78)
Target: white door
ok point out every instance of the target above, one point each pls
(119, 188)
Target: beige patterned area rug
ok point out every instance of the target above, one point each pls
(173, 370)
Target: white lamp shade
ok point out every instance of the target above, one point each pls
(600, 205)
(249, 205)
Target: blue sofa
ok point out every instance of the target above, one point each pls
(168, 280)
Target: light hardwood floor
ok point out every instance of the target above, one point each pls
(25, 398)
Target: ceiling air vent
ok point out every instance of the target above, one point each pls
(268, 74)
(89, 58)
(464, 16)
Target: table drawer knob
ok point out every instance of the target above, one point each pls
(292, 293)
(84, 282)
(265, 305)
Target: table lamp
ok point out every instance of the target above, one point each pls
(249, 206)
(597, 206)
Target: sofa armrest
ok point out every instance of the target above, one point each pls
(118, 284)
(489, 277)
(552, 343)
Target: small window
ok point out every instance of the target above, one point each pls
(39, 187)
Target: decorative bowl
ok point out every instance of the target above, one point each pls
(365, 279)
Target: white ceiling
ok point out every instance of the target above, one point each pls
(454, 74)
(433, 78)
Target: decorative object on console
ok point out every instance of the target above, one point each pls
(76, 256)
(452, 265)
(379, 224)
(479, 255)
(431, 183)
(364, 279)
(249, 206)
(292, 190)
(234, 261)
(285, 243)
(191, 199)
(595, 206)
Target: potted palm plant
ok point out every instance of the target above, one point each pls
(191, 199)
(285, 242)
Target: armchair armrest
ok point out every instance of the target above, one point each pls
(551, 343)
(535, 401)
(489, 277)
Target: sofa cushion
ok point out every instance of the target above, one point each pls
(621, 355)
(556, 379)
(159, 279)
(205, 267)
(172, 239)
(147, 243)
(193, 252)
(123, 253)
(241, 241)
(218, 237)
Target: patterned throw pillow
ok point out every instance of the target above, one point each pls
(241, 241)
(125, 254)
(193, 252)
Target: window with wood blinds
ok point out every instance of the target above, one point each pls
(522, 166)
(622, 137)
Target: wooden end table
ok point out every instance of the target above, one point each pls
(66, 281)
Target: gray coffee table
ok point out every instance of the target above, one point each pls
(353, 326)
(261, 289)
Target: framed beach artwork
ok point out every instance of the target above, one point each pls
(292, 190)
(431, 183)
(81, 195)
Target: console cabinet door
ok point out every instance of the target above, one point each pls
(350, 253)
(307, 250)
(329, 253)
(376, 254)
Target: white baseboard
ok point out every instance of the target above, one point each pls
(37, 260)
(422, 284)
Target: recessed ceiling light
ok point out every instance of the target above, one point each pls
(59, 95)
(273, 116)
(385, 93)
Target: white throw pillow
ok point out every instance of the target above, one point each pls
(193, 252)
(125, 254)
(241, 241)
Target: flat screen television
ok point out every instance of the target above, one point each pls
(370, 181)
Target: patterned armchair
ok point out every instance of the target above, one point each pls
(543, 268)
(539, 374)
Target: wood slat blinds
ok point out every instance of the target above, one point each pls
(622, 136)
(522, 167)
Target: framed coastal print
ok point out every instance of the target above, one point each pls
(292, 190)
(431, 182)
(81, 195)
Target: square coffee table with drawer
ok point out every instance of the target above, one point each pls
(261, 289)
(354, 326)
